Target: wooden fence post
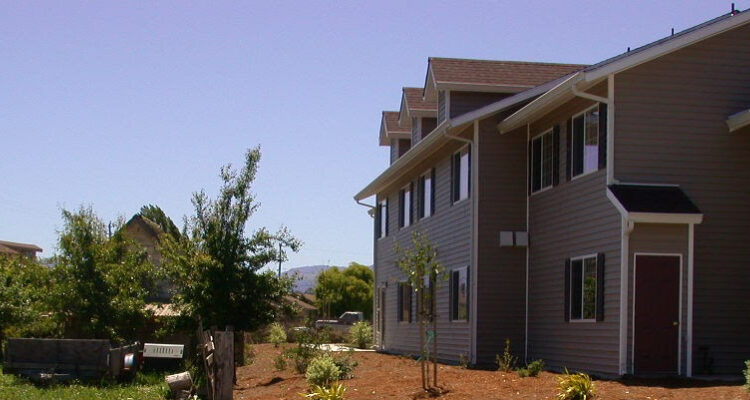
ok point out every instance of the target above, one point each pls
(224, 342)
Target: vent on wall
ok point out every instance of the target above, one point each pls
(514, 239)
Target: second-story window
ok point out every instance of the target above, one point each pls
(382, 219)
(426, 194)
(544, 161)
(585, 142)
(460, 174)
(405, 206)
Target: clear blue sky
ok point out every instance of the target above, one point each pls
(120, 104)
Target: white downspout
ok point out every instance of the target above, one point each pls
(689, 344)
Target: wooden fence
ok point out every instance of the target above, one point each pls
(217, 351)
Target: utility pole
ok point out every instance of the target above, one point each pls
(279, 260)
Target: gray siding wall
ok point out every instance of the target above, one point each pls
(415, 132)
(463, 102)
(427, 126)
(658, 239)
(394, 150)
(670, 128)
(501, 273)
(572, 219)
(449, 229)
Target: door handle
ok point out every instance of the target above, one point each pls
(675, 323)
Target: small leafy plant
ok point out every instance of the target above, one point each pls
(533, 369)
(576, 386)
(463, 361)
(360, 334)
(346, 365)
(307, 348)
(322, 371)
(276, 334)
(747, 375)
(279, 362)
(334, 392)
(507, 361)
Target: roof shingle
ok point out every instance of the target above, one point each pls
(497, 73)
(392, 125)
(414, 100)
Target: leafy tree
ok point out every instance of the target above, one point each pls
(349, 289)
(157, 215)
(24, 284)
(100, 282)
(424, 273)
(215, 264)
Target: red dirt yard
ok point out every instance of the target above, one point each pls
(381, 376)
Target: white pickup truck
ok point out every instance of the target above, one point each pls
(343, 323)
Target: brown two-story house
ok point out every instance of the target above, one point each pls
(595, 216)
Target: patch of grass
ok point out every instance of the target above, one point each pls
(145, 387)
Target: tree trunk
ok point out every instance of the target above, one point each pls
(179, 382)
(434, 339)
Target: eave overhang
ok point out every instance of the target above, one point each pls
(739, 120)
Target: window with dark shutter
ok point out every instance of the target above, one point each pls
(432, 191)
(568, 148)
(404, 302)
(543, 161)
(556, 155)
(567, 290)
(584, 276)
(585, 152)
(459, 292)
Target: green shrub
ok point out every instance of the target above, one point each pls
(307, 348)
(533, 369)
(322, 371)
(360, 334)
(506, 362)
(276, 334)
(334, 392)
(279, 362)
(346, 365)
(463, 361)
(575, 386)
(747, 375)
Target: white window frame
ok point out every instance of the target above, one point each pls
(572, 150)
(383, 205)
(408, 205)
(426, 190)
(543, 188)
(465, 269)
(595, 256)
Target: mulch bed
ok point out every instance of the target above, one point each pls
(381, 376)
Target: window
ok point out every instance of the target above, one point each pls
(459, 281)
(404, 302)
(405, 206)
(583, 288)
(381, 219)
(544, 156)
(426, 193)
(461, 174)
(585, 142)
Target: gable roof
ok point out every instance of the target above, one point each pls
(499, 76)
(16, 246)
(152, 227)
(598, 72)
(6, 250)
(654, 199)
(414, 103)
(390, 128)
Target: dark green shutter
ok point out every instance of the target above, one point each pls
(432, 192)
(411, 202)
(602, 135)
(401, 208)
(529, 167)
(568, 148)
(378, 212)
(600, 287)
(556, 155)
(578, 140)
(387, 215)
(400, 301)
(567, 290)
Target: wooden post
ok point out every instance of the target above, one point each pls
(224, 352)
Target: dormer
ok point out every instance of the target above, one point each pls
(394, 134)
(459, 86)
(421, 114)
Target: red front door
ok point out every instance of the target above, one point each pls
(657, 310)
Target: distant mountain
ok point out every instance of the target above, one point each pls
(306, 277)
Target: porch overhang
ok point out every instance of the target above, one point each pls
(654, 204)
(739, 120)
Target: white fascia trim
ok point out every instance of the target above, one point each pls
(422, 148)
(656, 51)
(549, 98)
(501, 105)
(690, 283)
(739, 120)
(383, 133)
(665, 218)
(403, 111)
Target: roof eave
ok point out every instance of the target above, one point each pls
(481, 87)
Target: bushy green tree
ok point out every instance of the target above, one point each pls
(24, 285)
(216, 264)
(157, 215)
(349, 289)
(100, 282)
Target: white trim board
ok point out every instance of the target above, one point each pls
(739, 120)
